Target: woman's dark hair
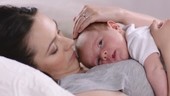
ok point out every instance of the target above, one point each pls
(15, 24)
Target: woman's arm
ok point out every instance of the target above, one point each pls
(138, 19)
(161, 35)
(90, 14)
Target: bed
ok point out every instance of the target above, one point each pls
(17, 79)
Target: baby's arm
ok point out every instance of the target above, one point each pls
(156, 74)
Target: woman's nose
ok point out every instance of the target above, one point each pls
(104, 55)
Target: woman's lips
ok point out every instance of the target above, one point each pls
(73, 56)
(75, 51)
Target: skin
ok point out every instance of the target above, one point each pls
(45, 60)
(102, 47)
(160, 33)
(54, 52)
(103, 14)
(97, 47)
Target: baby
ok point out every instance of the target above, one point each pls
(103, 43)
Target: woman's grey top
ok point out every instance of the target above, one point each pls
(127, 76)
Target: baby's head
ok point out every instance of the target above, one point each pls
(101, 43)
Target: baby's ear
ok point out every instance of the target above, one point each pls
(113, 24)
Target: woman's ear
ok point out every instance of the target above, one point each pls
(113, 24)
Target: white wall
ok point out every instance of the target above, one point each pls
(64, 10)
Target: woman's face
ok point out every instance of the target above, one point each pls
(54, 53)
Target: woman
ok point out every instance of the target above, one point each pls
(30, 37)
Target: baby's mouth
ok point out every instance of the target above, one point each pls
(114, 55)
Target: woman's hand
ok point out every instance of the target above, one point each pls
(161, 34)
(91, 14)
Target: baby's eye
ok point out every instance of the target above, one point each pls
(100, 45)
(53, 52)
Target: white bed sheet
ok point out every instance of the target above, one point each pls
(17, 79)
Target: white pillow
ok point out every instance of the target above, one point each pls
(17, 79)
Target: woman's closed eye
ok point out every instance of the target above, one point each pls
(54, 49)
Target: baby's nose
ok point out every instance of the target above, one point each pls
(104, 55)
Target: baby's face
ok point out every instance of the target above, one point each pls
(95, 48)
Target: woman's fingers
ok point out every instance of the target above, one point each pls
(85, 17)
(86, 22)
(78, 24)
(77, 19)
(154, 26)
(91, 14)
(81, 24)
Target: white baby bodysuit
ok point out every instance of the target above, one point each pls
(140, 43)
